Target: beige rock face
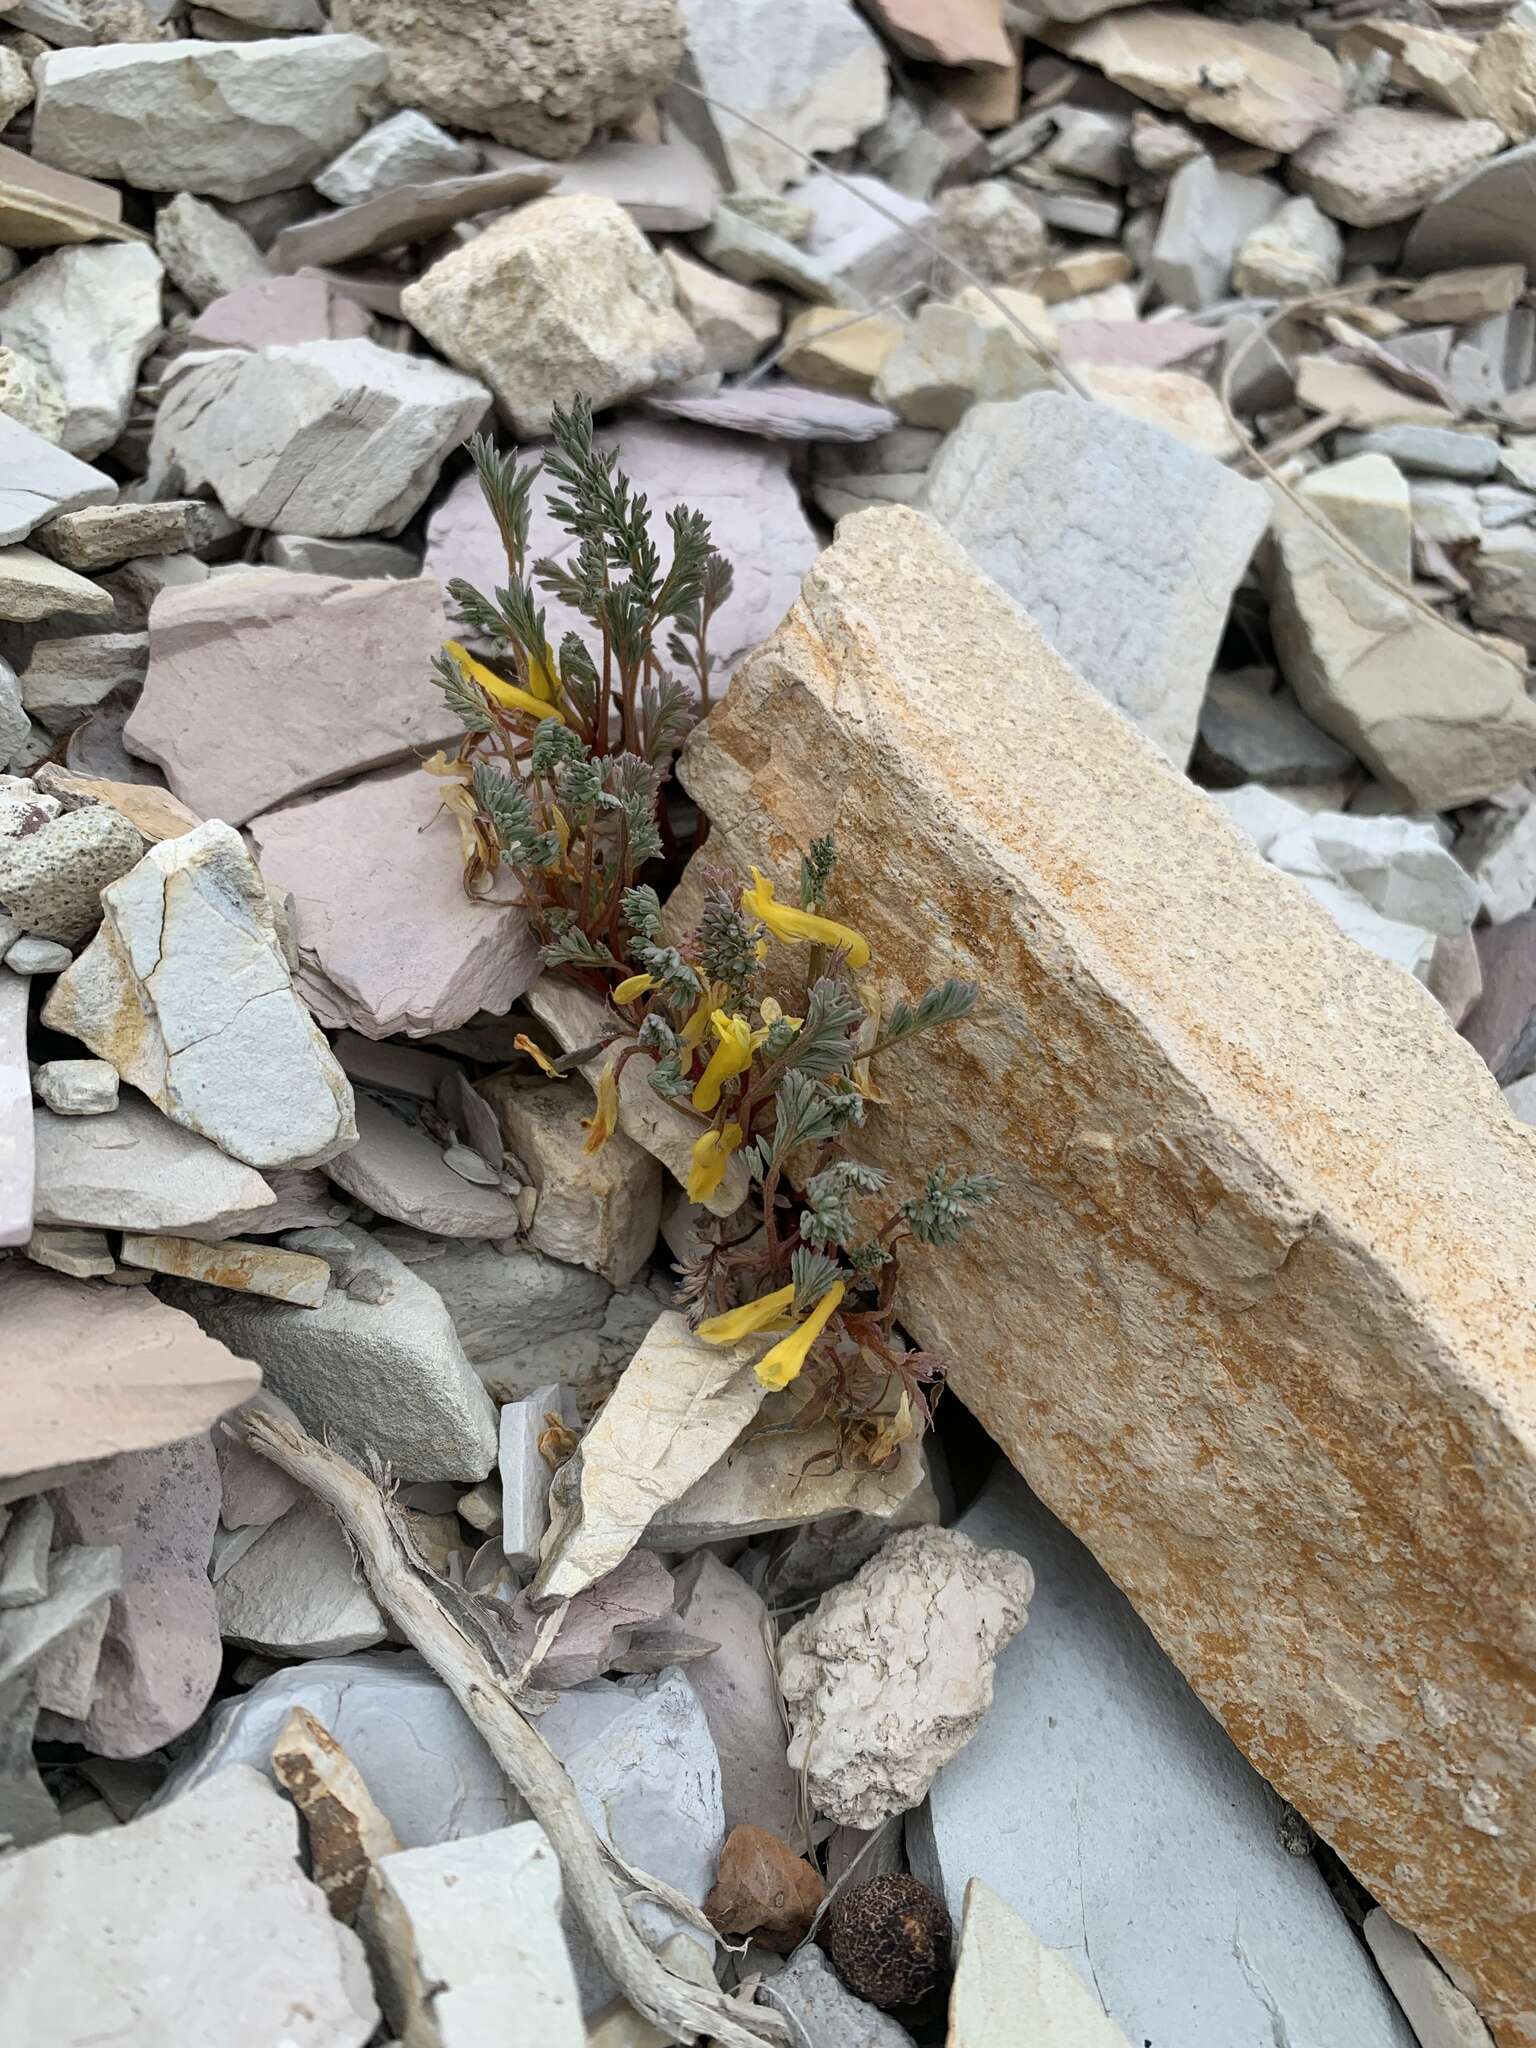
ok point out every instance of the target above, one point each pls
(1261, 1267)
(600, 1209)
(1263, 81)
(1009, 1986)
(1382, 163)
(562, 297)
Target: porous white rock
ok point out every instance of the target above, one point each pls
(560, 298)
(388, 941)
(205, 253)
(1116, 1751)
(205, 1930)
(679, 1406)
(133, 1169)
(88, 317)
(264, 685)
(376, 1367)
(810, 72)
(331, 438)
(1380, 163)
(38, 481)
(1123, 546)
(464, 1934)
(990, 228)
(227, 119)
(892, 1674)
(742, 486)
(186, 992)
(402, 150)
(297, 1590)
(600, 1209)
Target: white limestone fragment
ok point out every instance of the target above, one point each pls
(88, 317)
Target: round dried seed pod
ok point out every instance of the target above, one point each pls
(888, 1939)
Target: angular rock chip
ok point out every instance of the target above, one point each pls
(205, 253)
(680, 1405)
(1380, 164)
(812, 1994)
(1115, 1748)
(186, 992)
(811, 73)
(346, 1830)
(559, 299)
(94, 1371)
(465, 1934)
(17, 1152)
(1439, 2014)
(296, 1590)
(264, 686)
(1122, 546)
(331, 438)
(738, 1688)
(1214, 1177)
(400, 151)
(102, 535)
(38, 481)
(243, 1268)
(405, 213)
(764, 1889)
(281, 311)
(376, 1367)
(1484, 217)
(133, 1169)
(399, 1170)
(33, 588)
(229, 120)
(88, 317)
(742, 487)
(388, 941)
(601, 1209)
(205, 1927)
(1006, 1979)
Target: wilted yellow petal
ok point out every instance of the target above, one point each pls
(538, 1055)
(747, 1320)
(783, 1363)
(599, 1128)
(508, 695)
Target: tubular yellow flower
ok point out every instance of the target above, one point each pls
(508, 695)
(538, 1055)
(633, 985)
(711, 1156)
(801, 927)
(747, 1320)
(778, 1366)
(543, 678)
(733, 1055)
(600, 1127)
(693, 1031)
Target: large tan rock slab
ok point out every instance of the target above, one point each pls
(91, 1371)
(1253, 1310)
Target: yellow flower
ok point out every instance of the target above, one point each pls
(733, 1055)
(801, 927)
(633, 985)
(778, 1366)
(599, 1128)
(747, 1320)
(538, 1055)
(711, 1156)
(693, 1031)
(773, 1013)
(506, 694)
(543, 679)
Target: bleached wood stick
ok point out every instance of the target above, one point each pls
(447, 1639)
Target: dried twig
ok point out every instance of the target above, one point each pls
(447, 1635)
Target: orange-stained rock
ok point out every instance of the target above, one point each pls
(1254, 1309)
(764, 1889)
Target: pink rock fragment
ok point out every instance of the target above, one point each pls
(280, 309)
(1136, 344)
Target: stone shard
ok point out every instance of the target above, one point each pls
(17, 1147)
(228, 120)
(185, 990)
(1121, 545)
(561, 298)
(764, 1889)
(811, 72)
(1439, 2014)
(131, 1168)
(738, 1688)
(1438, 714)
(1007, 1980)
(88, 317)
(680, 1405)
(205, 253)
(388, 941)
(602, 1209)
(466, 1934)
(347, 1833)
(1075, 878)
(892, 1674)
(376, 1366)
(94, 1371)
(828, 2015)
(329, 438)
(1484, 217)
(296, 1590)
(1115, 1749)
(404, 214)
(266, 685)
(403, 150)
(38, 481)
(160, 1656)
(205, 1930)
(543, 74)
(398, 1169)
(243, 1268)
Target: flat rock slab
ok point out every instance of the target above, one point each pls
(1276, 1175)
(133, 1169)
(1121, 545)
(388, 941)
(742, 487)
(1484, 217)
(782, 412)
(264, 686)
(92, 1371)
(406, 213)
(205, 1931)
(38, 481)
(1144, 1851)
(399, 1170)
